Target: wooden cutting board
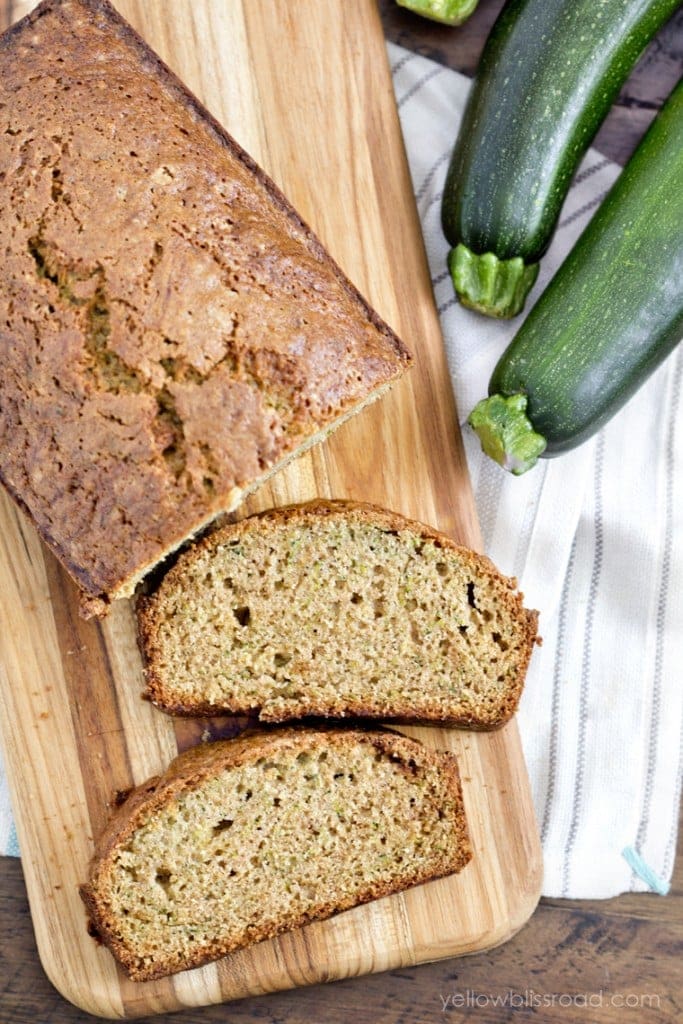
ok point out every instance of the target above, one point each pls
(306, 88)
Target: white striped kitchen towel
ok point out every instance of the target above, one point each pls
(595, 540)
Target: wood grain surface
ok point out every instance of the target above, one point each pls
(74, 728)
(628, 945)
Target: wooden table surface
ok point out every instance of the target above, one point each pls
(575, 960)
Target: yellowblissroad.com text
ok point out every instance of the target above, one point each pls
(530, 999)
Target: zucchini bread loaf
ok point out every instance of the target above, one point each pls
(243, 839)
(171, 331)
(336, 609)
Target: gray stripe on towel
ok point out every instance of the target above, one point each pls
(595, 201)
(429, 176)
(660, 618)
(435, 199)
(440, 277)
(418, 85)
(406, 59)
(557, 687)
(586, 663)
(446, 305)
(590, 171)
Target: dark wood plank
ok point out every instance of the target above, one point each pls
(652, 80)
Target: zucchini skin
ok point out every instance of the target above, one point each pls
(614, 309)
(549, 74)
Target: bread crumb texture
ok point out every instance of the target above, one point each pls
(243, 839)
(336, 609)
(170, 330)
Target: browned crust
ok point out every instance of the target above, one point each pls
(95, 604)
(199, 763)
(103, 9)
(97, 595)
(149, 611)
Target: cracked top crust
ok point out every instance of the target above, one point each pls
(170, 330)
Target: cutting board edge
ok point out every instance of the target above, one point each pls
(100, 1005)
(123, 1002)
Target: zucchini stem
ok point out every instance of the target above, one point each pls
(448, 12)
(489, 285)
(506, 433)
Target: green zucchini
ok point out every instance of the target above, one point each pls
(448, 12)
(549, 74)
(610, 315)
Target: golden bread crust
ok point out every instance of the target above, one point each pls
(172, 330)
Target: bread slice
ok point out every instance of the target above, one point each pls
(172, 332)
(336, 609)
(242, 839)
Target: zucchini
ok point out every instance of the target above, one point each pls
(448, 12)
(610, 315)
(548, 75)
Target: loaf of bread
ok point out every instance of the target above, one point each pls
(243, 839)
(171, 332)
(336, 609)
